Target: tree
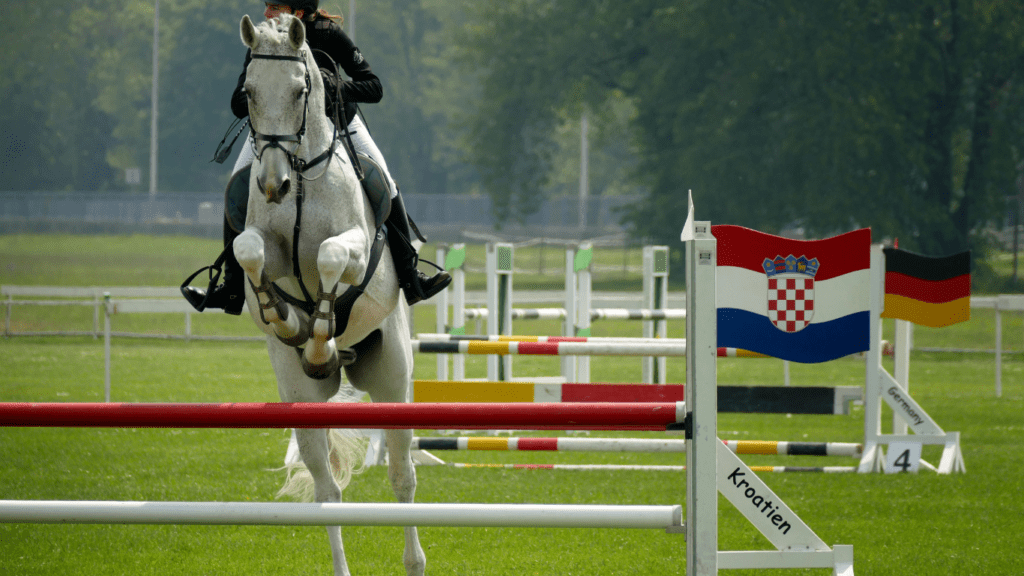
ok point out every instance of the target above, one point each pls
(51, 140)
(829, 116)
(78, 86)
(77, 91)
(201, 58)
(542, 63)
(408, 44)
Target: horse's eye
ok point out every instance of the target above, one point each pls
(300, 94)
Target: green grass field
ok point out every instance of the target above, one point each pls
(966, 524)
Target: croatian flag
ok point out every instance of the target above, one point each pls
(804, 301)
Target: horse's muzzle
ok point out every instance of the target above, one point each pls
(277, 193)
(274, 181)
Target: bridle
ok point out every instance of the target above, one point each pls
(297, 164)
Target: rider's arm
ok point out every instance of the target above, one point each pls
(239, 102)
(363, 85)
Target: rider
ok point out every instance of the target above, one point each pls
(324, 33)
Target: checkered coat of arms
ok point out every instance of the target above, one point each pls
(790, 291)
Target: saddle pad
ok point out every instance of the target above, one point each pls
(376, 188)
(236, 199)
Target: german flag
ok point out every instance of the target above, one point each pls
(928, 291)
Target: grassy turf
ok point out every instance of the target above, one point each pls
(906, 524)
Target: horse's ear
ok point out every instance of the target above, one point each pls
(248, 32)
(296, 33)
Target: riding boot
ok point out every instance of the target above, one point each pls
(416, 285)
(229, 294)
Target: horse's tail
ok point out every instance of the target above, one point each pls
(346, 456)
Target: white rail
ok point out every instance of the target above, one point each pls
(342, 514)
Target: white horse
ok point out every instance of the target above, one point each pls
(328, 225)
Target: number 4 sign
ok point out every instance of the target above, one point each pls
(903, 457)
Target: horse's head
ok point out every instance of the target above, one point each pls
(284, 97)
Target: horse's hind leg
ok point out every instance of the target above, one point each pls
(385, 372)
(314, 446)
(315, 451)
(402, 475)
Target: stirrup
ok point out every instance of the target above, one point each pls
(414, 287)
(418, 260)
(215, 271)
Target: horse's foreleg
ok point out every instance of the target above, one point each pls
(291, 326)
(340, 259)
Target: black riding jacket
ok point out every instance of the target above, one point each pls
(324, 34)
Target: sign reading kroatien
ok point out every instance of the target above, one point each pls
(765, 510)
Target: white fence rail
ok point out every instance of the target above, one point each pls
(168, 299)
(126, 299)
(1001, 303)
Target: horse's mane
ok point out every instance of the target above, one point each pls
(276, 24)
(275, 32)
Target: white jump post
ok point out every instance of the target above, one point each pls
(701, 403)
(569, 322)
(98, 300)
(499, 304)
(453, 260)
(655, 287)
(441, 313)
(578, 303)
(711, 467)
(999, 352)
(901, 366)
(107, 310)
(7, 315)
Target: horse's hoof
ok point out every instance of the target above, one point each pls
(320, 371)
